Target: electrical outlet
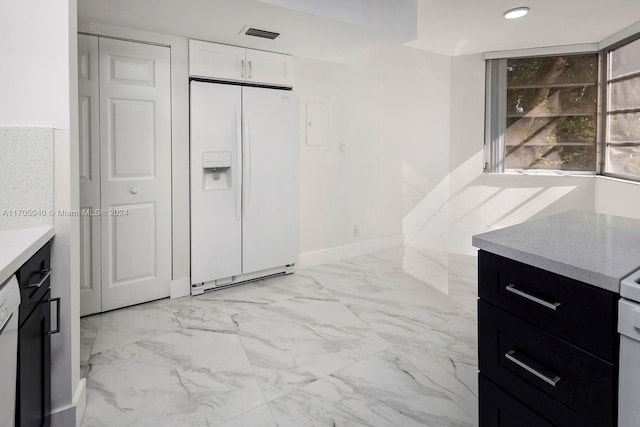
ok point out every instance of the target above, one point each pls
(356, 230)
(343, 147)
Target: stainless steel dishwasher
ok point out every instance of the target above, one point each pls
(629, 328)
(9, 304)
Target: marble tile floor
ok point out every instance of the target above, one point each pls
(387, 339)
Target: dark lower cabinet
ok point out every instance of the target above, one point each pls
(34, 367)
(500, 409)
(547, 348)
(33, 388)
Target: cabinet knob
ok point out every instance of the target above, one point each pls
(134, 190)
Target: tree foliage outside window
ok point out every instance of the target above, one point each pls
(544, 112)
(551, 113)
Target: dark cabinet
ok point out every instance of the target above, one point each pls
(547, 347)
(33, 403)
(34, 371)
(500, 409)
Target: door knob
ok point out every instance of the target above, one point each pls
(134, 190)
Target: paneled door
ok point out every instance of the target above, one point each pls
(89, 136)
(135, 165)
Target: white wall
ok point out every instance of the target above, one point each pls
(391, 112)
(36, 42)
(37, 83)
(478, 202)
(617, 197)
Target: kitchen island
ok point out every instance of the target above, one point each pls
(547, 319)
(20, 244)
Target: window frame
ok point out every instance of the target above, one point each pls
(495, 106)
(605, 55)
(496, 117)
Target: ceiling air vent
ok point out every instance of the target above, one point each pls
(264, 34)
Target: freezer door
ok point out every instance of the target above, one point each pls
(270, 184)
(216, 174)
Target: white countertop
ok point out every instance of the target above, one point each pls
(18, 245)
(596, 249)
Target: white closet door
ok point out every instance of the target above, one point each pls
(89, 135)
(270, 221)
(135, 139)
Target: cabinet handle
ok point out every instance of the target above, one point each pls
(242, 68)
(551, 305)
(6, 323)
(246, 168)
(46, 273)
(249, 69)
(57, 330)
(511, 355)
(239, 168)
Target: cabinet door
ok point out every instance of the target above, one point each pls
(34, 368)
(497, 408)
(216, 61)
(270, 184)
(269, 68)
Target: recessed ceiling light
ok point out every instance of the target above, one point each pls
(518, 12)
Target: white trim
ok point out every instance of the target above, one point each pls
(543, 51)
(323, 256)
(180, 288)
(71, 415)
(80, 400)
(615, 179)
(547, 172)
(631, 30)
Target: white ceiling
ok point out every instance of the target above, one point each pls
(322, 36)
(451, 27)
(456, 27)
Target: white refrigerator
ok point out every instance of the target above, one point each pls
(244, 186)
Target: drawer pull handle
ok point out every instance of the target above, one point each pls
(57, 329)
(46, 273)
(551, 305)
(511, 355)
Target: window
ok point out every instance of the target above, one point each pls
(622, 139)
(549, 113)
(543, 113)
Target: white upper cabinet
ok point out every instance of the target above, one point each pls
(211, 60)
(269, 67)
(232, 63)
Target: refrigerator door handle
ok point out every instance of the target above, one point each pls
(239, 170)
(247, 167)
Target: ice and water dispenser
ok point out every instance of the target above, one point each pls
(216, 170)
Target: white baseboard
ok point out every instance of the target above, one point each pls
(80, 400)
(323, 256)
(71, 415)
(180, 288)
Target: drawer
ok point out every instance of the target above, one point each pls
(553, 377)
(33, 278)
(579, 313)
(499, 409)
